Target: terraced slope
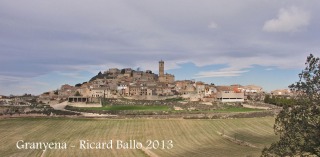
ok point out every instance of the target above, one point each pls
(190, 137)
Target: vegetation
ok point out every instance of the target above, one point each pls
(129, 110)
(33, 109)
(99, 76)
(237, 109)
(175, 99)
(139, 108)
(56, 92)
(298, 124)
(122, 110)
(51, 111)
(278, 100)
(190, 137)
(77, 94)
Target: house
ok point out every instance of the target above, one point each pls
(229, 94)
(281, 92)
(4, 100)
(252, 89)
(123, 89)
(85, 89)
(65, 91)
(101, 92)
(134, 89)
(200, 88)
(209, 91)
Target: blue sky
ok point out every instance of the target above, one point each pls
(44, 44)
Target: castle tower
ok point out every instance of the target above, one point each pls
(161, 68)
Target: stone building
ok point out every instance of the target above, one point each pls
(167, 78)
(101, 92)
(137, 75)
(66, 91)
(112, 72)
(149, 76)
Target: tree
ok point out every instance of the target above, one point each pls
(123, 71)
(77, 94)
(298, 124)
(267, 99)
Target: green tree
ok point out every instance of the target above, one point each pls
(298, 124)
(267, 99)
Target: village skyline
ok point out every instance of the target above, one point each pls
(158, 75)
(227, 79)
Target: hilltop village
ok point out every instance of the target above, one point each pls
(146, 85)
(116, 91)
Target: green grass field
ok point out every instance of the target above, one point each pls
(190, 137)
(138, 108)
(237, 109)
(161, 108)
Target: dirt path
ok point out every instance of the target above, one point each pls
(42, 154)
(256, 107)
(61, 106)
(149, 152)
(240, 142)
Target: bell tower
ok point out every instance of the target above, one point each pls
(161, 68)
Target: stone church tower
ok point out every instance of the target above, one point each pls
(167, 78)
(161, 68)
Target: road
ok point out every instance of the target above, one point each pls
(61, 106)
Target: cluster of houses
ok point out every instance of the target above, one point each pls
(146, 85)
(26, 99)
(143, 85)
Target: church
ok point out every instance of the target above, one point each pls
(166, 78)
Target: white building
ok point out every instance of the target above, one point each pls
(230, 96)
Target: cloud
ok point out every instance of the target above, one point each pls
(290, 19)
(268, 69)
(40, 38)
(212, 74)
(213, 25)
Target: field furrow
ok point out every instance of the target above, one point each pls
(189, 137)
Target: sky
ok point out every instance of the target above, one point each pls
(45, 44)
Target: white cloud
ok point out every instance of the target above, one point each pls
(206, 74)
(289, 20)
(213, 25)
(82, 38)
